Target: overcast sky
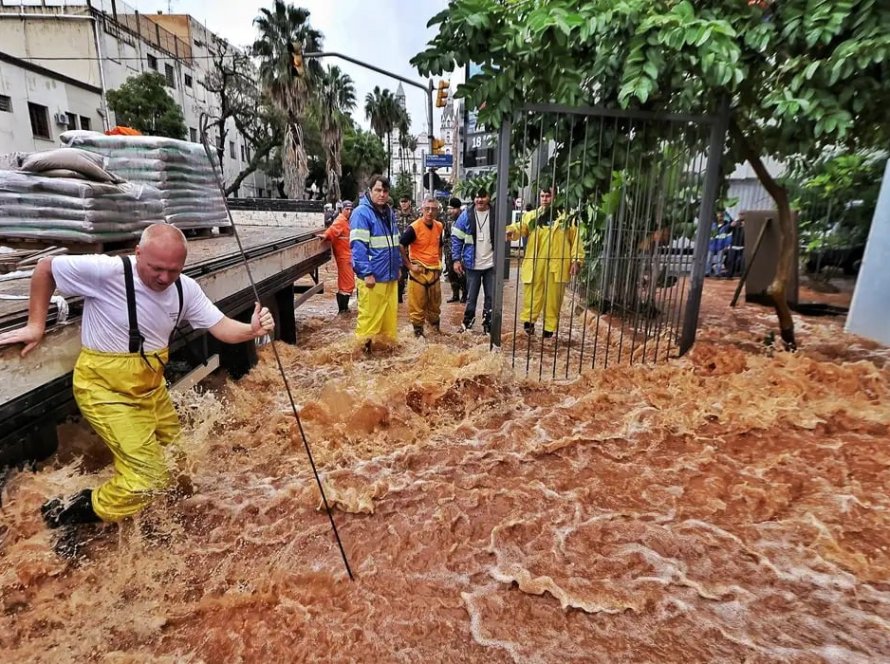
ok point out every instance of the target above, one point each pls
(385, 33)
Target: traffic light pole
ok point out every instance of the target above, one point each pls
(428, 89)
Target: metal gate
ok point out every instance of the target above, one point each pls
(611, 272)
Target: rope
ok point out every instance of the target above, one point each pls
(290, 395)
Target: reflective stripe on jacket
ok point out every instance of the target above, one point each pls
(374, 240)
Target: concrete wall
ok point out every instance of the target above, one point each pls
(278, 219)
(125, 55)
(25, 86)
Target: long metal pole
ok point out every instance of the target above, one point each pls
(703, 233)
(502, 215)
(428, 89)
(290, 396)
(749, 263)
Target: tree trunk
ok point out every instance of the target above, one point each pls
(294, 162)
(787, 237)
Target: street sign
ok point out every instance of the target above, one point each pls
(438, 161)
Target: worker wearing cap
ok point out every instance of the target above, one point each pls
(131, 306)
(338, 235)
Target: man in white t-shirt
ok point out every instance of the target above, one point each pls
(119, 381)
(472, 250)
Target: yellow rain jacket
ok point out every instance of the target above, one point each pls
(124, 398)
(546, 267)
(550, 249)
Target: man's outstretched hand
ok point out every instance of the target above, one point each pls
(261, 322)
(30, 335)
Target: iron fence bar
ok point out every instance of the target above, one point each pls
(607, 222)
(521, 257)
(619, 113)
(627, 256)
(712, 180)
(502, 211)
(667, 193)
(641, 246)
(588, 258)
(565, 236)
(551, 211)
(530, 292)
(573, 283)
(690, 260)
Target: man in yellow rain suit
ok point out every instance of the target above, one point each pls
(422, 254)
(129, 314)
(553, 255)
(377, 261)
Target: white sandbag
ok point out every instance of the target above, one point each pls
(88, 164)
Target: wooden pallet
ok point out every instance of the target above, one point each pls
(35, 245)
(198, 233)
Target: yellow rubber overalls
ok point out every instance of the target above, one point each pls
(124, 398)
(553, 245)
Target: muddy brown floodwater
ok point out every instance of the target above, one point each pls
(728, 506)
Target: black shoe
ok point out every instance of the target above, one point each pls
(547, 334)
(529, 328)
(77, 509)
(367, 347)
(418, 330)
(486, 328)
(463, 299)
(453, 299)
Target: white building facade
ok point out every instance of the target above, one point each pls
(57, 62)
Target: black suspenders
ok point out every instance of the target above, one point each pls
(136, 340)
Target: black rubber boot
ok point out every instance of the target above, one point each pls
(77, 509)
(547, 334)
(529, 328)
(342, 303)
(418, 330)
(455, 293)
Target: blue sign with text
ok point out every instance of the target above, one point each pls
(438, 161)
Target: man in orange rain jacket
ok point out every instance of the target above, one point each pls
(338, 235)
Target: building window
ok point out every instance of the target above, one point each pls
(261, 193)
(231, 149)
(152, 61)
(188, 80)
(247, 150)
(193, 135)
(6, 103)
(72, 121)
(39, 120)
(170, 76)
(242, 153)
(85, 123)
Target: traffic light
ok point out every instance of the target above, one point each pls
(438, 146)
(297, 68)
(442, 94)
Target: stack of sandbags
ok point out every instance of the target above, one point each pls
(179, 169)
(74, 209)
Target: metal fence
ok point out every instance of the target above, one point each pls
(611, 271)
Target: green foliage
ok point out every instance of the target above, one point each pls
(403, 186)
(836, 198)
(142, 103)
(802, 75)
(363, 156)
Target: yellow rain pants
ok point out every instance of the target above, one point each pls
(127, 404)
(424, 297)
(377, 310)
(545, 293)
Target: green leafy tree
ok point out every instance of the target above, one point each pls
(385, 114)
(403, 186)
(335, 98)
(279, 29)
(801, 77)
(363, 155)
(142, 103)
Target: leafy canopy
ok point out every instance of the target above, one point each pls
(142, 103)
(802, 75)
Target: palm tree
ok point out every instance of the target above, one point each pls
(384, 112)
(335, 97)
(278, 29)
(403, 124)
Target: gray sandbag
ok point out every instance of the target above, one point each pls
(65, 235)
(88, 164)
(77, 225)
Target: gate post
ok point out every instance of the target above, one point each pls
(502, 214)
(703, 232)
